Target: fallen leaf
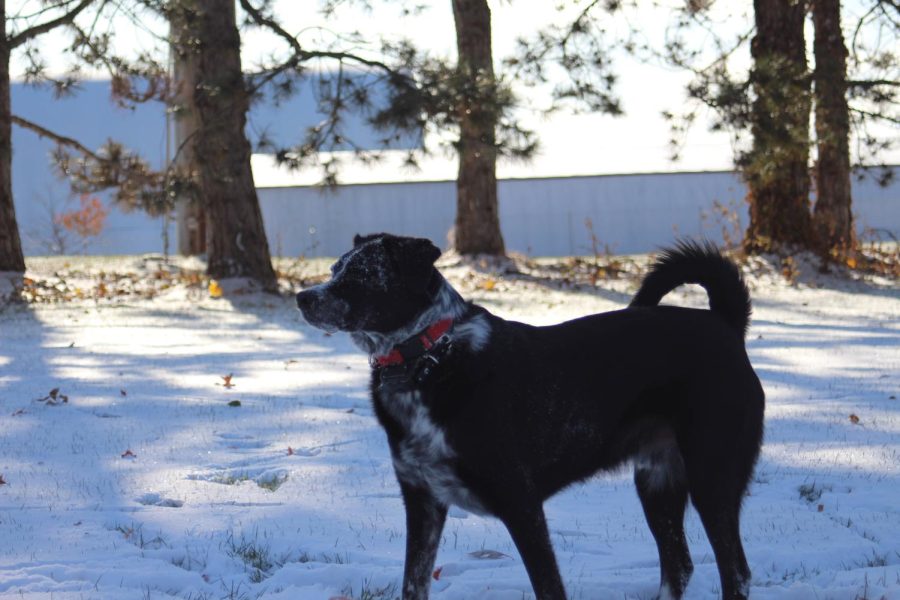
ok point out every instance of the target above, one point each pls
(215, 290)
(227, 380)
(488, 284)
(21, 411)
(851, 262)
(854, 419)
(123, 392)
(290, 451)
(2, 481)
(821, 507)
(437, 573)
(234, 403)
(129, 454)
(54, 397)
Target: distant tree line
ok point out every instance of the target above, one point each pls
(405, 89)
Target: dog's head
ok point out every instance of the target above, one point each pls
(380, 285)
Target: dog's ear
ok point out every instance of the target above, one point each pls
(414, 256)
(359, 240)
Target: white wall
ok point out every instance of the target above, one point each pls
(539, 217)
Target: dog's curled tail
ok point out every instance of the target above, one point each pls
(700, 263)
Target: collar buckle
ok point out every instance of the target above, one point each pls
(432, 359)
(416, 359)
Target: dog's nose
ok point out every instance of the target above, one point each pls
(305, 299)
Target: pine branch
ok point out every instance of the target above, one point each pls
(33, 32)
(59, 139)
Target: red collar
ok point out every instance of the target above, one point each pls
(414, 346)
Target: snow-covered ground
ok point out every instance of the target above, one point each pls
(149, 483)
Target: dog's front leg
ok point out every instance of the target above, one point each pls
(528, 528)
(425, 518)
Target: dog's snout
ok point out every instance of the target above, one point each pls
(322, 309)
(305, 299)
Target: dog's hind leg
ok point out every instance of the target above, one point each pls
(661, 483)
(723, 530)
(720, 449)
(717, 479)
(425, 518)
(528, 528)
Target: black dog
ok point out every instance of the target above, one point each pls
(496, 416)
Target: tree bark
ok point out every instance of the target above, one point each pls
(189, 217)
(477, 218)
(11, 258)
(832, 217)
(777, 166)
(237, 245)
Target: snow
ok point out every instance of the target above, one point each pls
(291, 495)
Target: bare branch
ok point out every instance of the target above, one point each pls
(870, 83)
(39, 12)
(59, 139)
(860, 23)
(33, 32)
(876, 116)
(301, 55)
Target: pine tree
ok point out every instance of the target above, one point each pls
(477, 228)
(772, 103)
(833, 216)
(777, 167)
(219, 102)
(11, 257)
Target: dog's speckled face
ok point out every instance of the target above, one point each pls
(378, 286)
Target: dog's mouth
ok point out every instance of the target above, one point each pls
(328, 325)
(328, 328)
(323, 311)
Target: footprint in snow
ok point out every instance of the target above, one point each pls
(266, 478)
(237, 441)
(479, 559)
(152, 499)
(304, 451)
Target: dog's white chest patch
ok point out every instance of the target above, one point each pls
(424, 458)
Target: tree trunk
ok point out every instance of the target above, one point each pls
(189, 217)
(477, 218)
(777, 166)
(833, 217)
(11, 258)
(237, 245)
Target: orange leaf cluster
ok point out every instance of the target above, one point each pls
(87, 221)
